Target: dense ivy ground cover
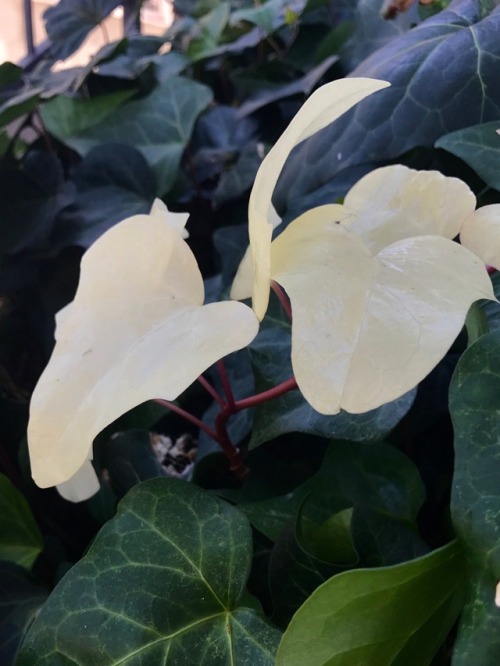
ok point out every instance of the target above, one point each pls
(355, 539)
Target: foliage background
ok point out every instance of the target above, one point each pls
(188, 117)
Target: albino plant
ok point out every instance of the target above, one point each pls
(378, 290)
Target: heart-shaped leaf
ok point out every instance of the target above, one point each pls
(159, 125)
(137, 330)
(383, 322)
(436, 88)
(69, 22)
(161, 583)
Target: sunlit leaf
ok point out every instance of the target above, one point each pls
(480, 233)
(393, 615)
(395, 202)
(137, 330)
(366, 329)
(322, 108)
(162, 583)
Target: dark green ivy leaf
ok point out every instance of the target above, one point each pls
(69, 22)
(20, 538)
(475, 411)
(395, 615)
(160, 584)
(20, 598)
(436, 88)
(479, 147)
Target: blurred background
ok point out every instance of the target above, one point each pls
(16, 35)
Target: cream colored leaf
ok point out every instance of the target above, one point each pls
(136, 330)
(323, 107)
(81, 485)
(176, 220)
(395, 202)
(367, 329)
(480, 234)
(243, 281)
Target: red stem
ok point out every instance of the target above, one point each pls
(210, 389)
(188, 416)
(259, 398)
(283, 298)
(225, 383)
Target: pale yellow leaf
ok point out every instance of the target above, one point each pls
(243, 281)
(395, 202)
(81, 485)
(480, 233)
(366, 329)
(137, 330)
(176, 220)
(323, 107)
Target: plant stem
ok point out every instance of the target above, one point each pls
(283, 298)
(228, 409)
(225, 383)
(270, 394)
(213, 392)
(188, 416)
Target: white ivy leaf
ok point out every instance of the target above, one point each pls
(395, 202)
(323, 107)
(137, 330)
(81, 485)
(366, 329)
(480, 233)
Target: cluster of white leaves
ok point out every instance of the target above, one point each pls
(378, 287)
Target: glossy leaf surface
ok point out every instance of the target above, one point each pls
(393, 615)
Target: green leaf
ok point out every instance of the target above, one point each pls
(159, 126)
(113, 182)
(479, 147)
(475, 411)
(268, 16)
(67, 117)
(20, 538)
(367, 476)
(69, 22)
(210, 28)
(18, 105)
(476, 323)
(20, 598)
(304, 85)
(9, 74)
(160, 584)
(436, 88)
(397, 615)
(31, 198)
(370, 30)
